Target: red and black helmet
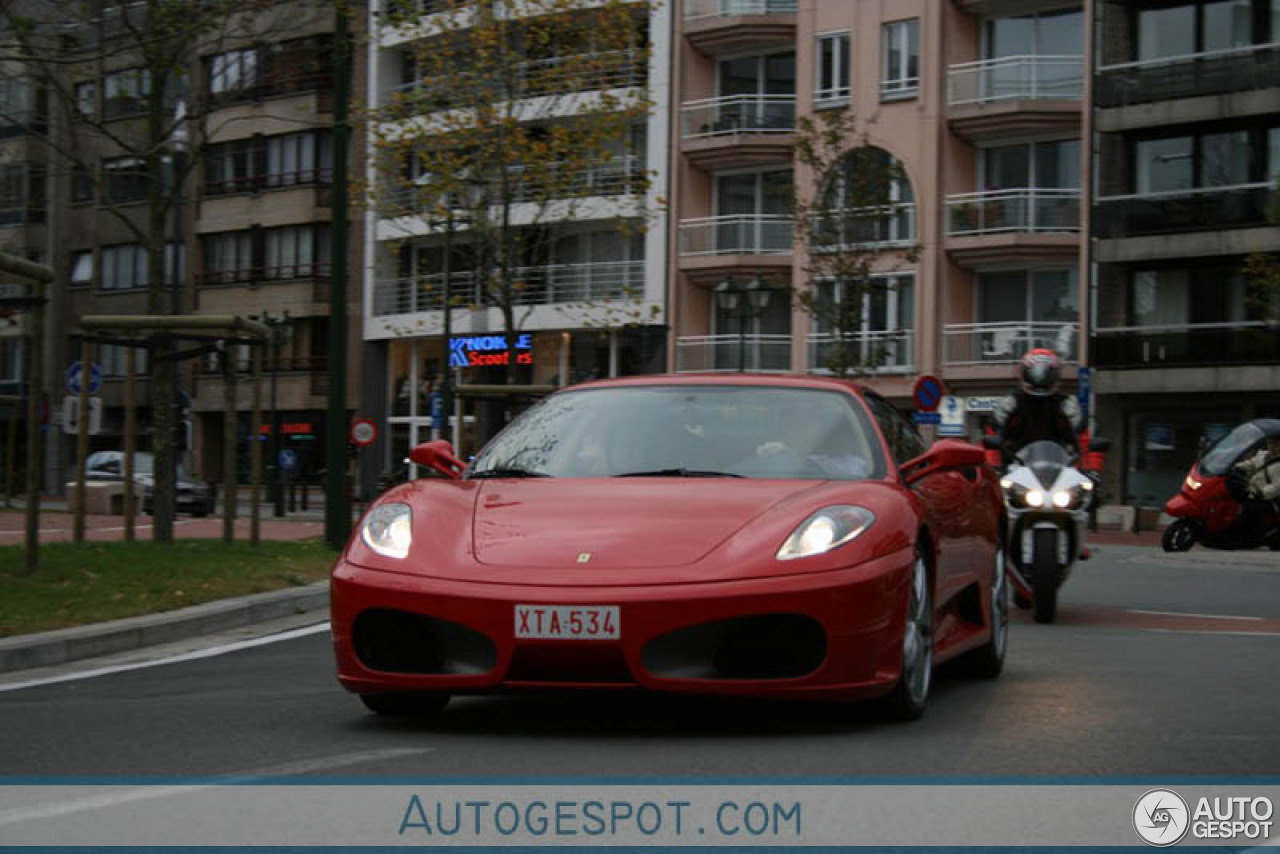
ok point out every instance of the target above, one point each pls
(1040, 371)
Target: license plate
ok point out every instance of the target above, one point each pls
(568, 622)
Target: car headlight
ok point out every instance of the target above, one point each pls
(388, 530)
(829, 528)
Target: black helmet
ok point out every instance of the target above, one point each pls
(1040, 371)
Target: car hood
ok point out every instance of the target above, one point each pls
(612, 523)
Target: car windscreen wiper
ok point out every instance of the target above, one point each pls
(678, 472)
(507, 472)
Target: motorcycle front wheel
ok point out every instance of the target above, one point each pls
(1045, 566)
(1179, 536)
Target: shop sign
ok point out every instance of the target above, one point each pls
(482, 351)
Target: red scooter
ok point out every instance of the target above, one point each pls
(1207, 510)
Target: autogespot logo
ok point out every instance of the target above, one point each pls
(1160, 817)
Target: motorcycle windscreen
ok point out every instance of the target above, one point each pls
(1046, 460)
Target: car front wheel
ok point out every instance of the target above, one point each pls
(909, 697)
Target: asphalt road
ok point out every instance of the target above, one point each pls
(1110, 690)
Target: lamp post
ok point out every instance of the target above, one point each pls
(729, 297)
(278, 325)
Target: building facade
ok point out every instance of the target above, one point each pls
(1186, 113)
(980, 105)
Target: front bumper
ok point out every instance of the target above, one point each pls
(840, 634)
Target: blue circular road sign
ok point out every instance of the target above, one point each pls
(288, 459)
(76, 371)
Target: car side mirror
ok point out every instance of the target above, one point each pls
(945, 454)
(438, 455)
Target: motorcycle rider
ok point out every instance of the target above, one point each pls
(1263, 485)
(1038, 410)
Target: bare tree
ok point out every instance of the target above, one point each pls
(514, 117)
(856, 224)
(131, 107)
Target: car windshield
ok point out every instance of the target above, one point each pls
(1222, 456)
(688, 431)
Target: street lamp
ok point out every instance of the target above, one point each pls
(729, 299)
(279, 327)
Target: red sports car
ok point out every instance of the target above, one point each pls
(748, 535)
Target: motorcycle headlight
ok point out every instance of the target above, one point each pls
(1063, 498)
(388, 530)
(1035, 498)
(829, 528)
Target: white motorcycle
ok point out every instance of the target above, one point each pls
(1048, 500)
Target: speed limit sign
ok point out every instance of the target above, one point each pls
(363, 432)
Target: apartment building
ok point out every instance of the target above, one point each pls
(259, 225)
(591, 295)
(1186, 114)
(981, 105)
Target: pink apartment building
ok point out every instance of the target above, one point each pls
(982, 102)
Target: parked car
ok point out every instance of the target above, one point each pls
(744, 535)
(193, 496)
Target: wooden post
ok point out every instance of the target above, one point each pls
(11, 455)
(130, 439)
(228, 443)
(256, 437)
(82, 439)
(35, 438)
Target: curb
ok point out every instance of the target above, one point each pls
(44, 649)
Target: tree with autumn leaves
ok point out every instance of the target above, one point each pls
(512, 118)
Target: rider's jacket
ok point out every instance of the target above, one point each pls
(1264, 475)
(1024, 418)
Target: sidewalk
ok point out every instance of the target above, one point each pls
(57, 526)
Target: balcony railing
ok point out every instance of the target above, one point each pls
(283, 365)
(1216, 72)
(738, 234)
(556, 283)
(696, 9)
(1015, 78)
(1017, 210)
(1186, 345)
(1203, 209)
(30, 212)
(881, 227)
(887, 351)
(761, 353)
(556, 76)
(738, 114)
(256, 275)
(321, 175)
(1006, 343)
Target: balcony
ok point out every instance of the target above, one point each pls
(885, 352)
(1192, 345)
(23, 213)
(720, 26)
(994, 96)
(738, 130)
(968, 345)
(1000, 226)
(720, 353)
(553, 284)
(256, 276)
(737, 234)
(891, 226)
(1219, 72)
(1183, 211)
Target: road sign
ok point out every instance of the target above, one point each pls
(437, 408)
(71, 415)
(952, 417)
(288, 459)
(927, 393)
(926, 417)
(363, 432)
(1084, 391)
(73, 377)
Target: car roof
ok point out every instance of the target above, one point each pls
(727, 381)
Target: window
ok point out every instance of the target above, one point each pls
(250, 165)
(81, 268)
(228, 257)
(1225, 158)
(229, 167)
(867, 200)
(111, 357)
(124, 180)
(233, 70)
(11, 360)
(123, 267)
(904, 443)
(1189, 295)
(298, 158)
(887, 311)
(21, 102)
(1047, 165)
(753, 212)
(125, 92)
(1035, 296)
(901, 73)
(833, 70)
(1204, 26)
(87, 98)
(297, 252)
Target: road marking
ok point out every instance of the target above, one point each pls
(174, 659)
(134, 794)
(1200, 616)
